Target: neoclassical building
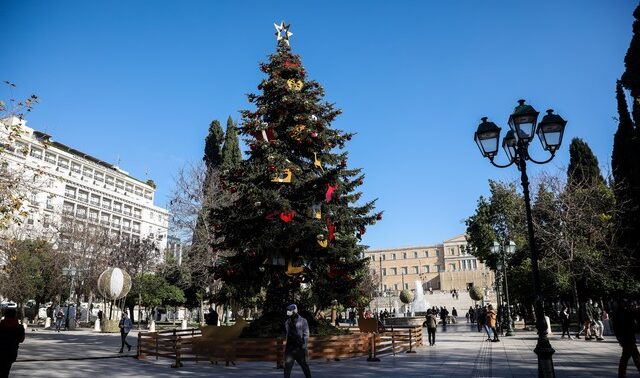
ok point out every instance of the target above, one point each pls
(70, 186)
(445, 266)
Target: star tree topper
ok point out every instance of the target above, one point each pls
(282, 32)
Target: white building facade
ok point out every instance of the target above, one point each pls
(68, 183)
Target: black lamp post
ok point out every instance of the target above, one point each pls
(523, 125)
(501, 266)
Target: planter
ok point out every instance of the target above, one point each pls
(405, 321)
(110, 326)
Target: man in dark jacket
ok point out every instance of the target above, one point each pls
(297, 330)
(624, 329)
(11, 335)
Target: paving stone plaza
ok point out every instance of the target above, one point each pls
(460, 351)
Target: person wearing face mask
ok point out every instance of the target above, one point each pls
(297, 333)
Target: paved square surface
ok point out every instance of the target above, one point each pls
(460, 351)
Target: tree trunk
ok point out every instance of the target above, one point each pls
(201, 311)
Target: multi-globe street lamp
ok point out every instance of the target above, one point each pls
(523, 124)
(502, 251)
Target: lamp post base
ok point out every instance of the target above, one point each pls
(545, 358)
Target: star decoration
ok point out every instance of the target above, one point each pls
(282, 32)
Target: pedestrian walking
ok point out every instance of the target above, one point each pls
(491, 323)
(125, 327)
(432, 322)
(297, 335)
(11, 335)
(565, 319)
(597, 320)
(59, 319)
(623, 328)
(100, 316)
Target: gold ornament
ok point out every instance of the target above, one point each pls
(293, 269)
(294, 85)
(322, 241)
(317, 162)
(297, 131)
(284, 176)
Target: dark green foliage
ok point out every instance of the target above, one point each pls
(231, 154)
(631, 76)
(476, 293)
(213, 145)
(272, 325)
(255, 225)
(583, 165)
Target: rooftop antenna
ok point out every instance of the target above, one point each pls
(118, 161)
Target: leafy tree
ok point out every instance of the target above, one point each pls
(296, 217)
(231, 154)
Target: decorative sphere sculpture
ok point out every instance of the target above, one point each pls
(114, 283)
(476, 293)
(406, 296)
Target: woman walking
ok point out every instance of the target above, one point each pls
(491, 322)
(564, 318)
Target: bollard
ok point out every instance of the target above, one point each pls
(184, 324)
(96, 327)
(47, 323)
(152, 326)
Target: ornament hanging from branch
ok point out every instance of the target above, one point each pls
(322, 241)
(294, 267)
(331, 228)
(266, 135)
(316, 211)
(284, 177)
(295, 85)
(328, 196)
(296, 132)
(317, 163)
(288, 216)
(290, 64)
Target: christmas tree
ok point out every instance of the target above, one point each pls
(297, 222)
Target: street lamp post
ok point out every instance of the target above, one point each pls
(503, 250)
(71, 272)
(523, 125)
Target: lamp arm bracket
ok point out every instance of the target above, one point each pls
(500, 165)
(553, 154)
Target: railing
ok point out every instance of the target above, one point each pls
(70, 195)
(178, 345)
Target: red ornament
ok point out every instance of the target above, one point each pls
(360, 182)
(289, 64)
(332, 229)
(252, 146)
(271, 168)
(287, 217)
(363, 230)
(233, 189)
(314, 134)
(329, 193)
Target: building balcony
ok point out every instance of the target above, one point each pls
(137, 216)
(82, 199)
(50, 160)
(49, 206)
(108, 207)
(93, 219)
(126, 228)
(127, 213)
(104, 222)
(81, 216)
(67, 212)
(117, 210)
(95, 203)
(136, 230)
(70, 195)
(115, 224)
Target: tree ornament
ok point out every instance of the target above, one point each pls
(294, 267)
(322, 241)
(284, 177)
(295, 85)
(314, 134)
(271, 168)
(317, 163)
(252, 146)
(343, 163)
(314, 118)
(289, 64)
(283, 33)
(316, 211)
(331, 228)
(379, 216)
(297, 132)
(329, 193)
(287, 217)
(266, 135)
(114, 283)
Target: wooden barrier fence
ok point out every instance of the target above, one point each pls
(178, 345)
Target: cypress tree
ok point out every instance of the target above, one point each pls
(583, 168)
(231, 154)
(213, 145)
(631, 76)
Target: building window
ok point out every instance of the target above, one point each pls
(416, 270)
(404, 270)
(129, 188)
(385, 287)
(383, 257)
(425, 268)
(384, 271)
(63, 163)
(48, 204)
(95, 200)
(373, 257)
(75, 167)
(81, 212)
(98, 176)
(83, 196)
(395, 287)
(404, 255)
(406, 286)
(36, 153)
(110, 180)
(452, 267)
(437, 253)
(119, 184)
(117, 206)
(394, 271)
(127, 210)
(106, 203)
(426, 253)
(93, 215)
(50, 183)
(67, 208)
(474, 264)
(50, 158)
(393, 256)
(70, 191)
(87, 172)
(415, 255)
(452, 251)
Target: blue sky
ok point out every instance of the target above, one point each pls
(141, 80)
